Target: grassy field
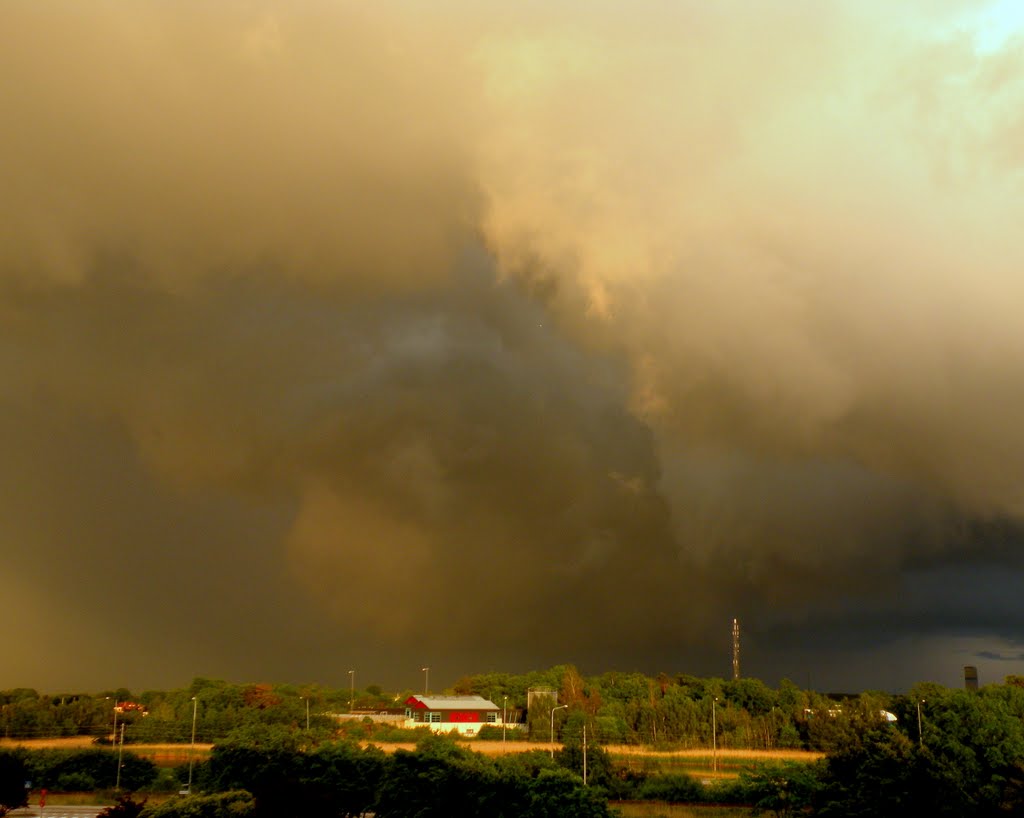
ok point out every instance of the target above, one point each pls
(693, 762)
(698, 763)
(701, 763)
(164, 755)
(657, 809)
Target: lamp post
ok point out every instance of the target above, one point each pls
(306, 698)
(120, 754)
(113, 738)
(351, 690)
(192, 746)
(552, 739)
(714, 736)
(920, 735)
(426, 680)
(504, 721)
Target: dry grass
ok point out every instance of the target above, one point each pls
(697, 762)
(757, 755)
(493, 748)
(163, 755)
(657, 809)
(701, 762)
(168, 754)
(72, 742)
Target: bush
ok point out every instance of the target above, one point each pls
(92, 769)
(397, 735)
(783, 789)
(231, 804)
(732, 792)
(75, 782)
(676, 788)
(490, 732)
(124, 807)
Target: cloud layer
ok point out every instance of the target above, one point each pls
(564, 332)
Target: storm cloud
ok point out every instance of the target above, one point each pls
(341, 335)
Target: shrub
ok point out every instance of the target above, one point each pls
(231, 804)
(673, 787)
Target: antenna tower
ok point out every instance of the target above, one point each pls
(735, 649)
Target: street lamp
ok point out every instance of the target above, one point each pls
(552, 739)
(920, 736)
(714, 736)
(192, 746)
(306, 698)
(504, 721)
(120, 754)
(426, 680)
(351, 690)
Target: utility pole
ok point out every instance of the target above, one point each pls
(735, 649)
(584, 755)
(192, 746)
(714, 736)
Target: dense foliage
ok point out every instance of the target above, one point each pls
(616, 708)
(935, 751)
(441, 778)
(13, 775)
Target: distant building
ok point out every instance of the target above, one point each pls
(970, 677)
(442, 714)
(126, 707)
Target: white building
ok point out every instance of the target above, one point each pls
(442, 714)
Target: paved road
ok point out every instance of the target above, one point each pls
(57, 811)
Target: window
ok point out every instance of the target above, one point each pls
(435, 717)
(492, 717)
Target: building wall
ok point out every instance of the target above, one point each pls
(465, 722)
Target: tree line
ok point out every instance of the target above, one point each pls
(268, 775)
(616, 708)
(948, 753)
(678, 711)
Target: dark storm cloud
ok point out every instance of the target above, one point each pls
(572, 333)
(1001, 657)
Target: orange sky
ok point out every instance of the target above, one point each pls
(576, 330)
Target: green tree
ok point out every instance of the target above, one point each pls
(560, 793)
(340, 779)
(437, 782)
(874, 777)
(784, 790)
(270, 772)
(88, 769)
(13, 775)
(600, 769)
